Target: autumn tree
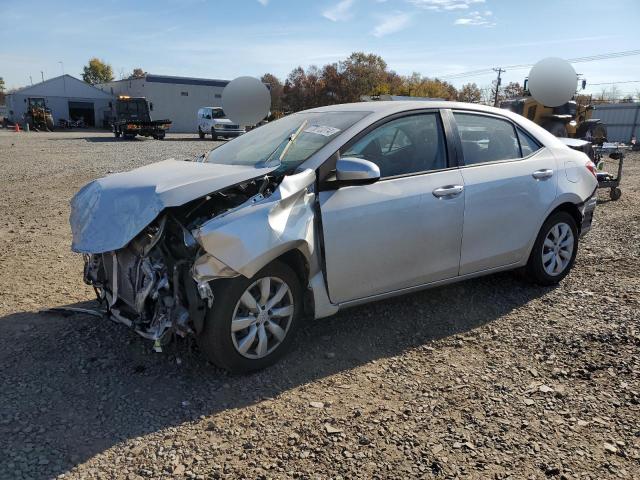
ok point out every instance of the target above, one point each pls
(512, 90)
(348, 80)
(137, 73)
(415, 85)
(364, 74)
(469, 93)
(334, 84)
(276, 90)
(487, 95)
(97, 71)
(295, 90)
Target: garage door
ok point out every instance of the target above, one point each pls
(84, 111)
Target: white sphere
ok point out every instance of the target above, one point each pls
(552, 81)
(246, 100)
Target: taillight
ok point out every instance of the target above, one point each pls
(591, 167)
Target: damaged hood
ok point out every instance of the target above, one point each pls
(108, 213)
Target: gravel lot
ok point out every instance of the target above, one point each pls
(490, 378)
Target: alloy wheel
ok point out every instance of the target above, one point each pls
(262, 317)
(557, 249)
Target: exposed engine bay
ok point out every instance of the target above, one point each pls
(148, 285)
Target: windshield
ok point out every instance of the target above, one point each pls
(287, 142)
(134, 107)
(218, 113)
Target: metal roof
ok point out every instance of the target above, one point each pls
(186, 80)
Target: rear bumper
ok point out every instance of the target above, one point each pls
(586, 210)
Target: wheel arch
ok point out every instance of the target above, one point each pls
(572, 209)
(298, 262)
(562, 205)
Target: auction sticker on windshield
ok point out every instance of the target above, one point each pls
(323, 130)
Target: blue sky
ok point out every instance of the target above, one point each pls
(226, 39)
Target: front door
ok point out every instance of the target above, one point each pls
(404, 230)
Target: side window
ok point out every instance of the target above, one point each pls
(527, 144)
(406, 145)
(486, 139)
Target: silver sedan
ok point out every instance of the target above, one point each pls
(325, 209)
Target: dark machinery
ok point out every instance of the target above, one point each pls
(38, 115)
(133, 117)
(614, 152)
(571, 119)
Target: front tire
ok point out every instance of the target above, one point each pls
(554, 251)
(213, 134)
(253, 320)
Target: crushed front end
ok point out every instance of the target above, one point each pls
(158, 283)
(142, 284)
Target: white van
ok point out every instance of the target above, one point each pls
(213, 120)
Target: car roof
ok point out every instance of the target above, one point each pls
(381, 109)
(393, 106)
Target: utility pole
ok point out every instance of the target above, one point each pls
(500, 71)
(42, 75)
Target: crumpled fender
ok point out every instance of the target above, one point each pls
(247, 239)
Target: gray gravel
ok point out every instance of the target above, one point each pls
(490, 378)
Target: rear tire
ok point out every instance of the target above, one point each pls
(224, 347)
(615, 193)
(554, 251)
(200, 133)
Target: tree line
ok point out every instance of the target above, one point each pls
(365, 74)
(360, 74)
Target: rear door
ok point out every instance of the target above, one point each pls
(403, 230)
(510, 181)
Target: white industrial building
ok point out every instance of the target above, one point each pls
(175, 98)
(68, 98)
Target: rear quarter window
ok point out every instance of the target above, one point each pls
(527, 143)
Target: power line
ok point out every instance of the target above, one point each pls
(590, 58)
(615, 83)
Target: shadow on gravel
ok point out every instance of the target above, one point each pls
(204, 141)
(73, 386)
(139, 139)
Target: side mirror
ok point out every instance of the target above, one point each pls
(356, 171)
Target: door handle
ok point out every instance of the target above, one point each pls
(543, 174)
(448, 191)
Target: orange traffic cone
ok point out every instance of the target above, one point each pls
(17, 127)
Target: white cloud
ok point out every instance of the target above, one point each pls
(263, 2)
(339, 12)
(442, 5)
(476, 18)
(391, 23)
